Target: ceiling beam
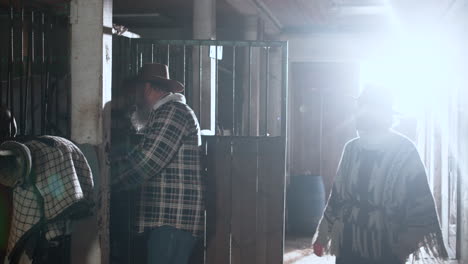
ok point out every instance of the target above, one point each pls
(137, 15)
(351, 3)
(265, 11)
(258, 8)
(362, 10)
(245, 7)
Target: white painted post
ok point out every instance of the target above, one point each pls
(91, 75)
(204, 27)
(251, 103)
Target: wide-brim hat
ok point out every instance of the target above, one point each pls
(20, 155)
(378, 96)
(158, 74)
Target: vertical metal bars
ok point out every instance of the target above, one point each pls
(32, 93)
(249, 106)
(168, 59)
(21, 77)
(217, 124)
(284, 90)
(43, 73)
(34, 76)
(200, 78)
(268, 85)
(234, 120)
(266, 95)
(9, 94)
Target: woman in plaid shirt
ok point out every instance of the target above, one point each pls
(165, 166)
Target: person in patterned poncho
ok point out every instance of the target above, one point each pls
(165, 167)
(381, 209)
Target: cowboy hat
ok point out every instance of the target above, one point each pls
(378, 96)
(17, 163)
(158, 74)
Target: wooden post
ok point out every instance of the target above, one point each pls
(246, 197)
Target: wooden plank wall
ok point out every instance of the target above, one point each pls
(321, 109)
(245, 201)
(218, 224)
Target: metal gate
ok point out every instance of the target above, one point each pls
(34, 69)
(238, 89)
(245, 79)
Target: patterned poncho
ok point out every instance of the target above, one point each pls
(381, 197)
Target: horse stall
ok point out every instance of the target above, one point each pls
(34, 78)
(238, 89)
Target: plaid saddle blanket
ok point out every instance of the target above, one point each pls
(58, 189)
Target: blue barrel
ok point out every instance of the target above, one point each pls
(305, 204)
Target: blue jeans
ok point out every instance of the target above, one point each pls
(168, 245)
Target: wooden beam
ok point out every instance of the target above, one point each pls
(245, 199)
(258, 8)
(244, 203)
(271, 200)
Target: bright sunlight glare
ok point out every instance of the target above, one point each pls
(418, 67)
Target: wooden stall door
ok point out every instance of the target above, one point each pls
(246, 190)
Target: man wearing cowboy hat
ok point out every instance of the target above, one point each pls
(381, 209)
(165, 167)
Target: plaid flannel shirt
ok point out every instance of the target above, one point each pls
(59, 189)
(165, 165)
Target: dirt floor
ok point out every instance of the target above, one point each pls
(298, 250)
